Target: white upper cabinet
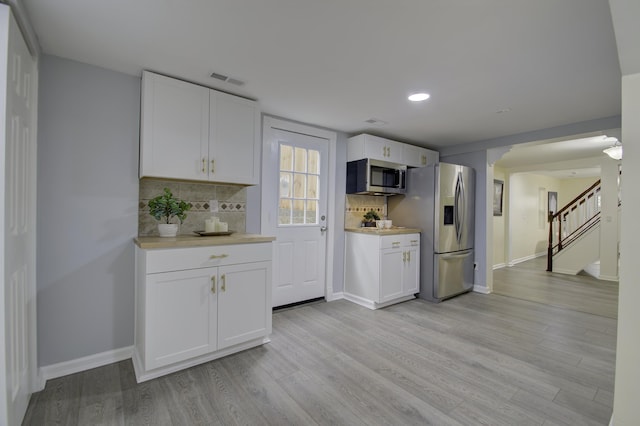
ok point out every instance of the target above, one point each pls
(234, 151)
(174, 128)
(194, 133)
(377, 148)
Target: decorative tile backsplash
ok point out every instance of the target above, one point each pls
(231, 199)
(357, 205)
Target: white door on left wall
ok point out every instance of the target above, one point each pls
(17, 213)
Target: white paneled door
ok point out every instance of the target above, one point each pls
(17, 244)
(295, 197)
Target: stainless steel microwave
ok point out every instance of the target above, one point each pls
(375, 177)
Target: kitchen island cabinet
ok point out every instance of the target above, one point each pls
(192, 132)
(196, 304)
(381, 267)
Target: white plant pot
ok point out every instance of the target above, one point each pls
(168, 229)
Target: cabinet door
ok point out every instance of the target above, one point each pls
(382, 149)
(391, 270)
(174, 133)
(244, 305)
(415, 156)
(233, 148)
(411, 270)
(181, 319)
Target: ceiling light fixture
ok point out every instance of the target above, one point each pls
(419, 97)
(614, 151)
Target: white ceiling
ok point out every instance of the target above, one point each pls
(338, 63)
(575, 158)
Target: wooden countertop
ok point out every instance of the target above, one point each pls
(391, 231)
(198, 241)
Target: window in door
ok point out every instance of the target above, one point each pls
(299, 186)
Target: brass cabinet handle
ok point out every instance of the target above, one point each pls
(224, 283)
(404, 256)
(395, 243)
(213, 284)
(204, 162)
(408, 256)
(213, 166)
(218, 256)
(414, 242)
(424, 160)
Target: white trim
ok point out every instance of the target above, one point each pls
(335, 296)
(143, 375)
(524, 259)
(266, 211)
(21, 16)
(608, 277)
(481, 289)
(499, 266)
(565, 271)
(85, 363)
(374, 305)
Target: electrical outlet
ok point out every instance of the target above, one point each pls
(213, 206)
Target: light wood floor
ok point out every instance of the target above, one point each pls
(475, 359)
(530, 281)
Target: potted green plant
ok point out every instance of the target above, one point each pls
(164, 208)
(370, 218)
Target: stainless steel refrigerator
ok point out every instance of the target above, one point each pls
(440, 201)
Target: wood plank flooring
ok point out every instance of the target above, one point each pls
(530, 281)
(473, 360)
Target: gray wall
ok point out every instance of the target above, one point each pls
(88, 130)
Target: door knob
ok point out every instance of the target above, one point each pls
(323, 228)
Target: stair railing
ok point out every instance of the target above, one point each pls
(573, 220)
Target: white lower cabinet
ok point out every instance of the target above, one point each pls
(381, 270)
(181, 316)
(188, 316)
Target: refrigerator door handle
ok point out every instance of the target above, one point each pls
(457, 208)
(462, 206)
(456, 255)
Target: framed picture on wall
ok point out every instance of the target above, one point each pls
(553, 202)
(498, 187)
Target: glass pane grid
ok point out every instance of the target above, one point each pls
(299, 189)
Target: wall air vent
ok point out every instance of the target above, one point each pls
(227, 79)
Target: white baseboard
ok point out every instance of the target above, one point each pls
(85, 363)
(609, 277)
(499, 266)
(335, 296)
(143, 375)
(481, 289)
(524, 259)
(564, 271)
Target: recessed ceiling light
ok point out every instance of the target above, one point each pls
(419, 97)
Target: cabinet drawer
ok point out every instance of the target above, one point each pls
(392, 241)
(402, 240)
(165, 260)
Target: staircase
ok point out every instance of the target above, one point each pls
(574, 233)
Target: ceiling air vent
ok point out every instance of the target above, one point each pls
(227, 79)
(375, 122)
